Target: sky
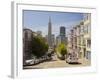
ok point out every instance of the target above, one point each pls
(38, 20)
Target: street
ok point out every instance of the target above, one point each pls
(57, 63)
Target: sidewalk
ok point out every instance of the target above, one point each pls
(85, 62)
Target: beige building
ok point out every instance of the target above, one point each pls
(80, 38)
(87, 35)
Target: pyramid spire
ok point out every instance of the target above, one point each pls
(49, 19)
(50, 32)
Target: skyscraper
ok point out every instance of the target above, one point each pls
(62, 31)
(53, 40)
(63, 34)
(61, 38)
(50, 33)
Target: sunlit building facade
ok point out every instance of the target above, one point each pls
(87, 35)
(80, 38)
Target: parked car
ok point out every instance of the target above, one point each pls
(40, 60)
(72, 58)
(30, 62)
(36, 61)
(49, 58)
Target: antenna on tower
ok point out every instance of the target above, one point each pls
(49, 19)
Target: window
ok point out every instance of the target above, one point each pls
(88, 55)
(89, 28)
(26, 34)
(89, 43)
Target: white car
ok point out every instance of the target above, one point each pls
(72, 58)
(29, 62)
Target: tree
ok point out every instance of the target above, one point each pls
(39, 47)
(62, 50)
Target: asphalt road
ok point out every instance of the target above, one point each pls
(56, 63)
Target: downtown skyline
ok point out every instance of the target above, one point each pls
(38, 20)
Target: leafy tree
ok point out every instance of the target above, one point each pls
(39, 47)
(62, 49)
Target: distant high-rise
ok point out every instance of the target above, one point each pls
(49, 27)
(62, 31)
(53, 40)
(62, 37)
(50, 33)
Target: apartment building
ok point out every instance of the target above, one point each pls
(80, 38)
(87, 35)
(27, 41)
